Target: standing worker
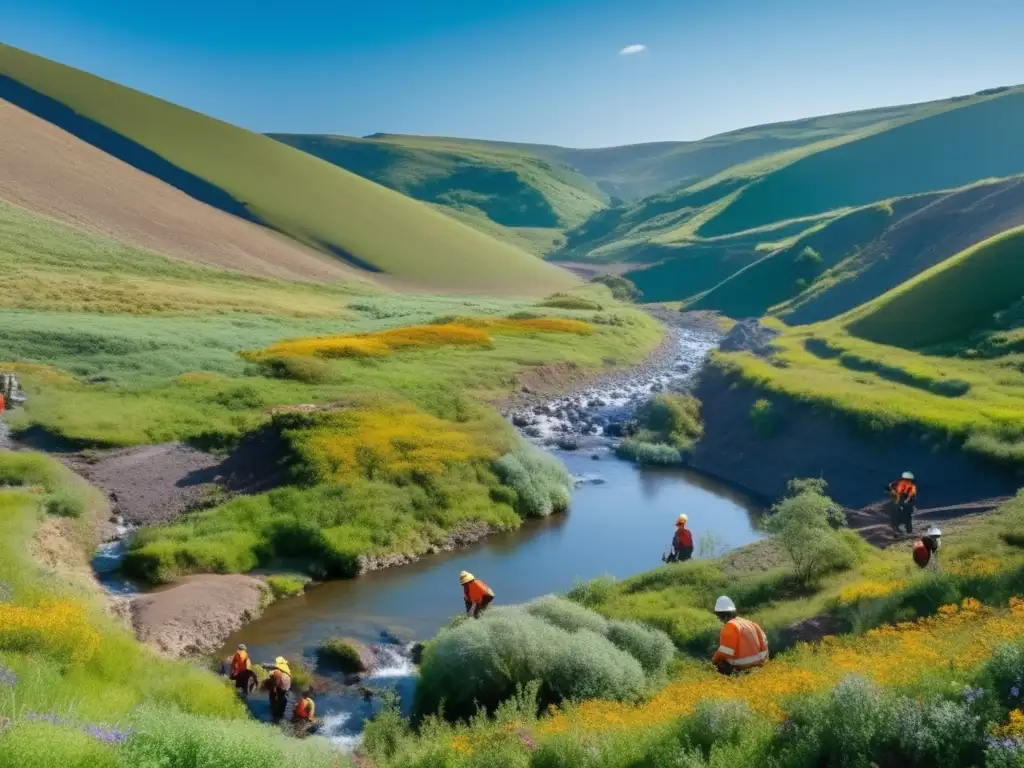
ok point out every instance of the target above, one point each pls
(303, 718)
(476, 594)
(278, 685)
(742, 644)
(926, 549)
(241, 669)
(904, 501)
(682, 542)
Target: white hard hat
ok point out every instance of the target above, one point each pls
(725, 605)
(933, 531)
(908, 475)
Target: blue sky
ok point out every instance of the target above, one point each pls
(529, 70)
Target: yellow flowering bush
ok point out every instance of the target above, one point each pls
(395, 442)
(58, 628)
(866, 590)
(977, 566)
(377, 344)
(960, 636)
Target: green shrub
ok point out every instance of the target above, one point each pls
(310, 370)
(648, 454)
(29, 744)
(341, 654)
(804, 525)
(653, 649)
(541, 482)
(287, 585)
(589, 666)
(568, 301)
(674, 418)
(622, 289)
(566, 615)
(32, 469)
(593, 593)
(166, 739)
(765, 417)
(552, 643)
(66, 503)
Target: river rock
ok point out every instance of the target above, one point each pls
(416, 653)
(568, 444)
(522, 419)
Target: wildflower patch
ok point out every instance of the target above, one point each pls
(395, 443)
(57, 628)
(961, 636)
(377, 344)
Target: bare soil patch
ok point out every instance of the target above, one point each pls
(52, 172)
(193, 617)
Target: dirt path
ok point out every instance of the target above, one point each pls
(872, 522)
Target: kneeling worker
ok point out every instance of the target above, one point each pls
(926, 549)
(742, 644)
(682, 542)
(476, 594)
(303, 717)
(278, 685)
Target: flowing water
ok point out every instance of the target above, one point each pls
(619, 527)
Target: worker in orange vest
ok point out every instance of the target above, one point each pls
(3, 404)
(303, 716)
(742, 643)
(682, 542)
(476, 594)
(904, 501)
(241, 669)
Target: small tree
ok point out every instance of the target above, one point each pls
(805, 524)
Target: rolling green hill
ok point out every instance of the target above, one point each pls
(255, 177)
(492, 188)
(964, 295)
(974, 139)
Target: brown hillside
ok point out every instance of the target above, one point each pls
(914, 243)
(52, 172)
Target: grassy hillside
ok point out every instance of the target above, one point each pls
(635, 171)
(254, 176)
(940, 353)
(52, 172)
(946, 224)
(974, 139)
(507, 188)
(951, 301)
(790, 269)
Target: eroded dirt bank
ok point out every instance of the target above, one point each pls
(812, 442)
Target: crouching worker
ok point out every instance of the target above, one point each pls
(303, 717)
(742, 644)
(278, 685)
(682, 542)
(926, 549)
(241, 671)
(475, 593)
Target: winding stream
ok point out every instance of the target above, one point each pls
(620, 522)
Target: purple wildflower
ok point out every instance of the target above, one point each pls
(7, 677)
(107, 735)
(524, 736)
(1004, 742)
(6, 593)
(5, 723)
(1015, 692)
(972, 694)
(50, 718)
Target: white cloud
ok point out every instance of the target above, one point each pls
(629, 50)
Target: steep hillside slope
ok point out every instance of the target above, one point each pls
(952, 301)
(52, 172)
(946, 225)
(958, 146)
(255, 177)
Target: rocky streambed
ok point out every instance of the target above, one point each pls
(593, 415)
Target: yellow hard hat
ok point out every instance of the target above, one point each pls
(465, 577)
(682, 520)
(282, 663)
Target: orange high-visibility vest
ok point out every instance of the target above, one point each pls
(475, 591)
(304, 709)
(742, 644)
(239, 663)
(904, 488)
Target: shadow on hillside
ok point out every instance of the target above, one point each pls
(121, 147)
